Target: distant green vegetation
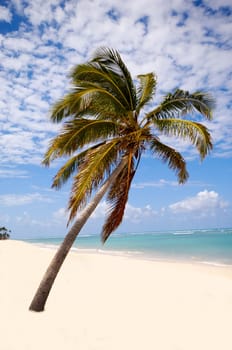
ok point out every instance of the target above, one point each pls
(4, 233)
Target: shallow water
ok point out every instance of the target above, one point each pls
(212, 246)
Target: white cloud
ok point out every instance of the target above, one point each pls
(5, 14)
(13, 173)
(10, 200)
(216, 4)
(132, 214)
(165, 183)
(60, 215)
(26, 220)
(160, 183)
(19, 44)
(204, 203)
(138, 214)
(100, 211)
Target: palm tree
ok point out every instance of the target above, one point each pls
(104, 135)
(4, 233)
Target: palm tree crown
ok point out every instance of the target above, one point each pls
(103, 124)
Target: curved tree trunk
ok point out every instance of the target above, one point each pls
(46, 284)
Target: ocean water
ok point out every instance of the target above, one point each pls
(211, 246)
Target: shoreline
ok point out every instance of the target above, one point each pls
(135, 255)
(102, 301)
(207, 247)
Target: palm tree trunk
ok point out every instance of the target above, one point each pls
(46, 284)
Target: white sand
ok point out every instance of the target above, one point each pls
(104, 302)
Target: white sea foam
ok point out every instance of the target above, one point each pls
(214, 263)
(183, 233)
(106, 251)
(47, 246)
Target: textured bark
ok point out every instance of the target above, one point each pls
(40, 298)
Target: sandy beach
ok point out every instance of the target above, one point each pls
(109, 302)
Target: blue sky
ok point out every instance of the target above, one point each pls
(188, 44)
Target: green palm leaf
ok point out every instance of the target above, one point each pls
(195, 132)
(112, 63)
(85, 100)
(97, 164)
(169, 155)
(146, 90)
(67, 170)
(94, 73)
(71, 166)
(181, 103)
(76, 134)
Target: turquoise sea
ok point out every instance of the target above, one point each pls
(211, 246)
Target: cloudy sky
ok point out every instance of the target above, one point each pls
(188, 44)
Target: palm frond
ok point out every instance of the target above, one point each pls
(118, 197)
(93, 73)
(195, 132)
(102, 100)
(97, 164)
(71, 166)
(182, 103)
(111, 61)
(169, 155)
(84, 100)
(64, 107)
(67, 170)
(78, 133)
(146, 90)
